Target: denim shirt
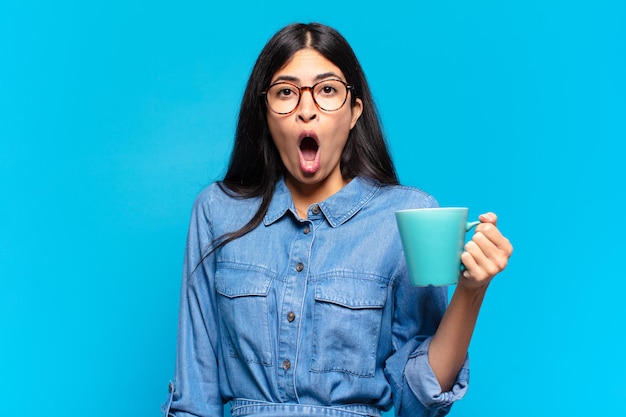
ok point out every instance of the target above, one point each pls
(306, 317)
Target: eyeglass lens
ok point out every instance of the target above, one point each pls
(284, 97)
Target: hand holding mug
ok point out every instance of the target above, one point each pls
(486, 254)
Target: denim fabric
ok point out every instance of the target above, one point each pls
(306, 317)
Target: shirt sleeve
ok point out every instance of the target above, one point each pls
(195, 389)
(418, 312)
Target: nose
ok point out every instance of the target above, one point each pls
(307, 109)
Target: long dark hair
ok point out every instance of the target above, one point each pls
(255, 165)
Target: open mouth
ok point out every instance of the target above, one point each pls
(308, 148)
(309, 153)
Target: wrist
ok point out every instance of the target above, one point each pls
(470, 292)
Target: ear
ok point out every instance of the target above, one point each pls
(357, 109)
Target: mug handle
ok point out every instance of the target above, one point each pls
(470, 225)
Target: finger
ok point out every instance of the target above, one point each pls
(488, 218)
(491, 232)
(487, 246)
(474, 261)
(488, 258)
(469, 263)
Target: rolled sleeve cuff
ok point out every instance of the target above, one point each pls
(422, 380)
(168, 408)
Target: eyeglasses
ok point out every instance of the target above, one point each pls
(329, 95)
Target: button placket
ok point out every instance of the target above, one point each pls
(294, 293)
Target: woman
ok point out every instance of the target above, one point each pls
(295, 298)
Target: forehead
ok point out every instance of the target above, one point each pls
(308, 66)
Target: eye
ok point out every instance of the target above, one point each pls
(284, 91)
(328, 88)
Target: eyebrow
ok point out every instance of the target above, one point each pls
(319, 77)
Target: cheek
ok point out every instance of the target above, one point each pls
(276, 130)
(343, 127)
(279, 136)
(341, 133)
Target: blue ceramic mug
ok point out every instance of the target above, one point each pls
(433, 240)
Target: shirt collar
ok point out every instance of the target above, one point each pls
(337, 209)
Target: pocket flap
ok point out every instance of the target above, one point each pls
(239, 282)
(352, 293)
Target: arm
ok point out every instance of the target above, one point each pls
(195, 390)
(416, 389)
(485, 256)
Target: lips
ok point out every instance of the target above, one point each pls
(309, 152)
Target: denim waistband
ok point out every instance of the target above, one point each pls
(247, 408)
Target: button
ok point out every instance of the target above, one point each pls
(315, 209)
(299, 267)
(286, 364)
(170, 387)
(307, 230)
(291, 316)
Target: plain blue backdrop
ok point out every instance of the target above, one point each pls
(114, 115)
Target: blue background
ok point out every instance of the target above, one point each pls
(114, 115)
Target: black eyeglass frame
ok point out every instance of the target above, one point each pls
(310, 88)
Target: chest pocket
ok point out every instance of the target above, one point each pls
(245, 313)
(346, 325)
